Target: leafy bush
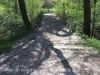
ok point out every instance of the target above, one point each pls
(73, 12)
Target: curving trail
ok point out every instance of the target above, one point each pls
(50, 50)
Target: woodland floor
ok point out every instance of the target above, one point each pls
(50, 50)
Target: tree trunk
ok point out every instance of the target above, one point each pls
(24, 14)
(87, 18)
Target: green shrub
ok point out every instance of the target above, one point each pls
(91, 42)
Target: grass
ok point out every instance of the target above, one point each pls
(7, 42)
(91, 42)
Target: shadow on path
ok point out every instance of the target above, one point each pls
(30, 53)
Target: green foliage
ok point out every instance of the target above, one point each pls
(74, 18)
(11, 24)
(69, 11)
(97, 20)
(48, 3)
(33, 8)
(57, 7)
(73, 12)
(10, 15)
(91, 42)
(1, 10)
(51, 10)
(6, 42)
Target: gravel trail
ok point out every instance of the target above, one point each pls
(50, 50)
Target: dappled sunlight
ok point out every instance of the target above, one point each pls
(49, 37)
(50, 50)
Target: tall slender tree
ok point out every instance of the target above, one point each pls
(24, 14)
(87, 17)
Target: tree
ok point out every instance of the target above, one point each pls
(87, 18)
(24, 14)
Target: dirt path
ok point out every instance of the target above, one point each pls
(51, 50)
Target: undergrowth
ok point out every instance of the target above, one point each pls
(91, 42)
(7, 42)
